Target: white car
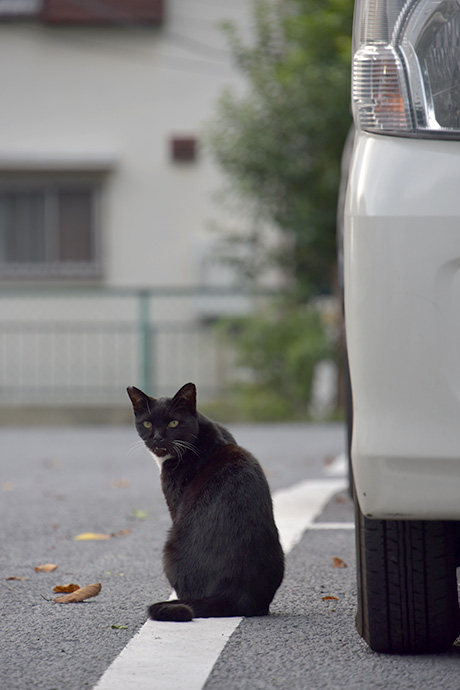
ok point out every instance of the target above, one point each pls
(401, 258)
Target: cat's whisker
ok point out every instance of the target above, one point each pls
(185, 445)
(136, 447)
(179, 455)
(178, 450)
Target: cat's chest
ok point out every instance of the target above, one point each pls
(177, 488)
(160, 459)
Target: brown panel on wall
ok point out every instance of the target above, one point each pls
(102, 11)
(184, 148)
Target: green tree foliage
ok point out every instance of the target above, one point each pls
(280, 143)
(278, 350)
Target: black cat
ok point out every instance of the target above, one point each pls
(222, 556)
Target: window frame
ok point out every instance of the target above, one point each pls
(49, 185)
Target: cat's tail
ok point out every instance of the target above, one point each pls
(171, 611)
(187, 609)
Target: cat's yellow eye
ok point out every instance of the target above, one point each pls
(173, 423)
(148, 425)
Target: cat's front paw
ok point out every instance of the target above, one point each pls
(170, 611)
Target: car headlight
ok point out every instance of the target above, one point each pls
(406, 67)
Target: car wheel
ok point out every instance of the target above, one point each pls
(407, 586)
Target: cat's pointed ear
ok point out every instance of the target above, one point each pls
(185, 398)
(139, 400)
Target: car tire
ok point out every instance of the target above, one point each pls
(407, 585)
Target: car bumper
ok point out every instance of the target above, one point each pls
(402, 307)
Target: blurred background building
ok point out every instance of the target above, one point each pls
(107, 270)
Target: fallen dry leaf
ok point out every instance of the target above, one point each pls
(80, 594)
(46, 568)
(338, 563)
(121, 533)
(120, 483)
(330, 599)
(66, 589)
(16, 578)
(91, 536)
(7, 486)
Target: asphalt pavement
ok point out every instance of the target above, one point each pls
(56, 484)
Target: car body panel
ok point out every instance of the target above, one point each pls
(402, 308)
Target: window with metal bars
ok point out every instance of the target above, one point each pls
(49, 230)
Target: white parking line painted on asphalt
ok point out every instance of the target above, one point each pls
(169, 656)
(296, 507)
(332, 525)
(180, 656)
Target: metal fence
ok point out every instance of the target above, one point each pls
(75, 346)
